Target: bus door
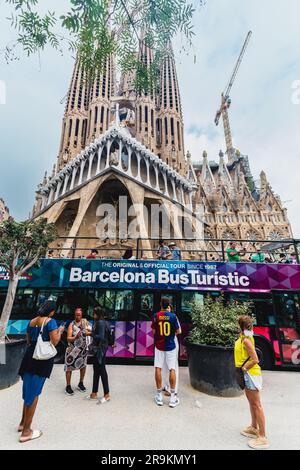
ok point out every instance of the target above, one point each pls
(147, 303)
(287, 309)
(144, 306)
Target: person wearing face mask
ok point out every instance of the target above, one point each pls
(245, 357)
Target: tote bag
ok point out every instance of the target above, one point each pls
(43, 350)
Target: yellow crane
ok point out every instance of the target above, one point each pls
(226, 102)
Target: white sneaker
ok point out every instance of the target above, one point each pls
(158, 399)
(174, 402)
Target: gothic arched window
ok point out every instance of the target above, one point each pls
(252, 235)
(228, 235)
(275, 235)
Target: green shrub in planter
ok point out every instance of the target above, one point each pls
(210, 346)
(215, 321)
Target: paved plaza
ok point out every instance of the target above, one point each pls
(132, 420)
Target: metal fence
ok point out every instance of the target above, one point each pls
(212, 249)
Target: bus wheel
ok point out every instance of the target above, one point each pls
(60, 356)
(264, 355)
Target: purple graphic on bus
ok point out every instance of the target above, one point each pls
(183, 275)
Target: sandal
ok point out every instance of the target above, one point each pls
(103, 400)
(20, 428)
(90, 398)
(35, 435)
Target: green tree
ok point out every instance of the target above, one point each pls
(22, 244)
(94, 29)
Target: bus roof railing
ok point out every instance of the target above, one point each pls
(204, 249)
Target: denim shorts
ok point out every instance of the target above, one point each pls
(253, 382)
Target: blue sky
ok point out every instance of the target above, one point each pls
(264, 120)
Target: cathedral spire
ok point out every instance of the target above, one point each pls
(170, 116)
(87, 112)
(206, 173)
(101, 92)
(74, 126)
(223, 170)
(145, 102)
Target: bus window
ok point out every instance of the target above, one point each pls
(124, 300)
(187, 298)
(119, 305)
(264, 312)
(109, 300)
(24, 303)
(145, 306)
(95, 298)
(66, 300)
(260, 307)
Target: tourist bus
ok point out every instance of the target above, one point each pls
(130, 291)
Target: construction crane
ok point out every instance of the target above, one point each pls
(226, 102)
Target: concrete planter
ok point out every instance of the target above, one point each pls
(14, 355)
(212, 370)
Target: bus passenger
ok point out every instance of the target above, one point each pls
(128, 254)
(77, 350)
(165, 326)
(100, 335)
(93, 254)
(163, 252)
(175, 251)
(233, 254)
(258, 257)
(34, 372)
(245, 357)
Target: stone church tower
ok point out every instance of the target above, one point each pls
(87, 112)
(4, 211)
(117, 141)
(234, 206)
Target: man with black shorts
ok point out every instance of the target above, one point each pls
(165, 326)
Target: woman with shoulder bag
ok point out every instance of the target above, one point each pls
(42, 337)
(100, 337)
(249, 378)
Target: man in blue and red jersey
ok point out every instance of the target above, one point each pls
(165, 326)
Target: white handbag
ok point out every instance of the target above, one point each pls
(44, 349)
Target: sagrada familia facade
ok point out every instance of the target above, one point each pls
(117, 142)
(4, 211)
